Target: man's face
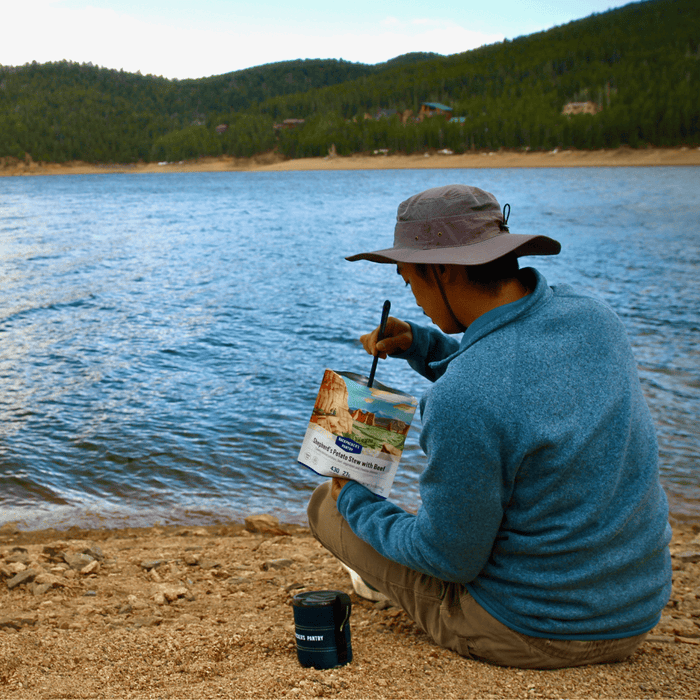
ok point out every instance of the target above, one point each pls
(426, 293)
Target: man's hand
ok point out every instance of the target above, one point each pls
(398, 337)
(337, 486)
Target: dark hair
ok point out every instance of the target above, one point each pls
(493, 274)
(489, 276)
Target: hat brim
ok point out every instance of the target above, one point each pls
(475, 254)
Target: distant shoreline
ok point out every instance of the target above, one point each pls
(621, 157)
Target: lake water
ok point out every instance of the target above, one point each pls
(163, 337)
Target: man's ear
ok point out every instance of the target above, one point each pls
(448, 274)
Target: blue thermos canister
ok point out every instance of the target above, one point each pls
(322, 628)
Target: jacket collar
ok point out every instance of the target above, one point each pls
(503, 315)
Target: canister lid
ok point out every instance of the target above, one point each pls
(315, 599)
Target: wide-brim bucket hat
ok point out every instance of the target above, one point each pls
(456, 225)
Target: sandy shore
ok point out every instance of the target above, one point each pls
(204, 612)
(271, 162)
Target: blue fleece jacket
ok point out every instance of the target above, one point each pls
(541, 491)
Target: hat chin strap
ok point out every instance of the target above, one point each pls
(458, 323)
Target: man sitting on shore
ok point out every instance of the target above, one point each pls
(542, 536)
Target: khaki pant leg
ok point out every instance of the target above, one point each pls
(446, 611)
(418, 594)
(482, 636)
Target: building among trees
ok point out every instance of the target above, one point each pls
(581, 108)
(432, 109)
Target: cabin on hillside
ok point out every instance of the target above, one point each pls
(289, 124)
(580, 108)
(434, 109)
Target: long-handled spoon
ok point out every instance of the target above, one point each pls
(382, 329)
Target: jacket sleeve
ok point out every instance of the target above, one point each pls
(429, 345)
(462, 495)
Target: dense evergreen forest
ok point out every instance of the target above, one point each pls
(639, 65)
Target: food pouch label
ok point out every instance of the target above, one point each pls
(357, 432)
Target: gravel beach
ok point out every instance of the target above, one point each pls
(204, 612)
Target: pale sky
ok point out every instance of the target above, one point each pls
(177, 39)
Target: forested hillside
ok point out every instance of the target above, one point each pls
(67, 111)
(639, 65)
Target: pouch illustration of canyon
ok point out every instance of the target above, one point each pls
(337, 412)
